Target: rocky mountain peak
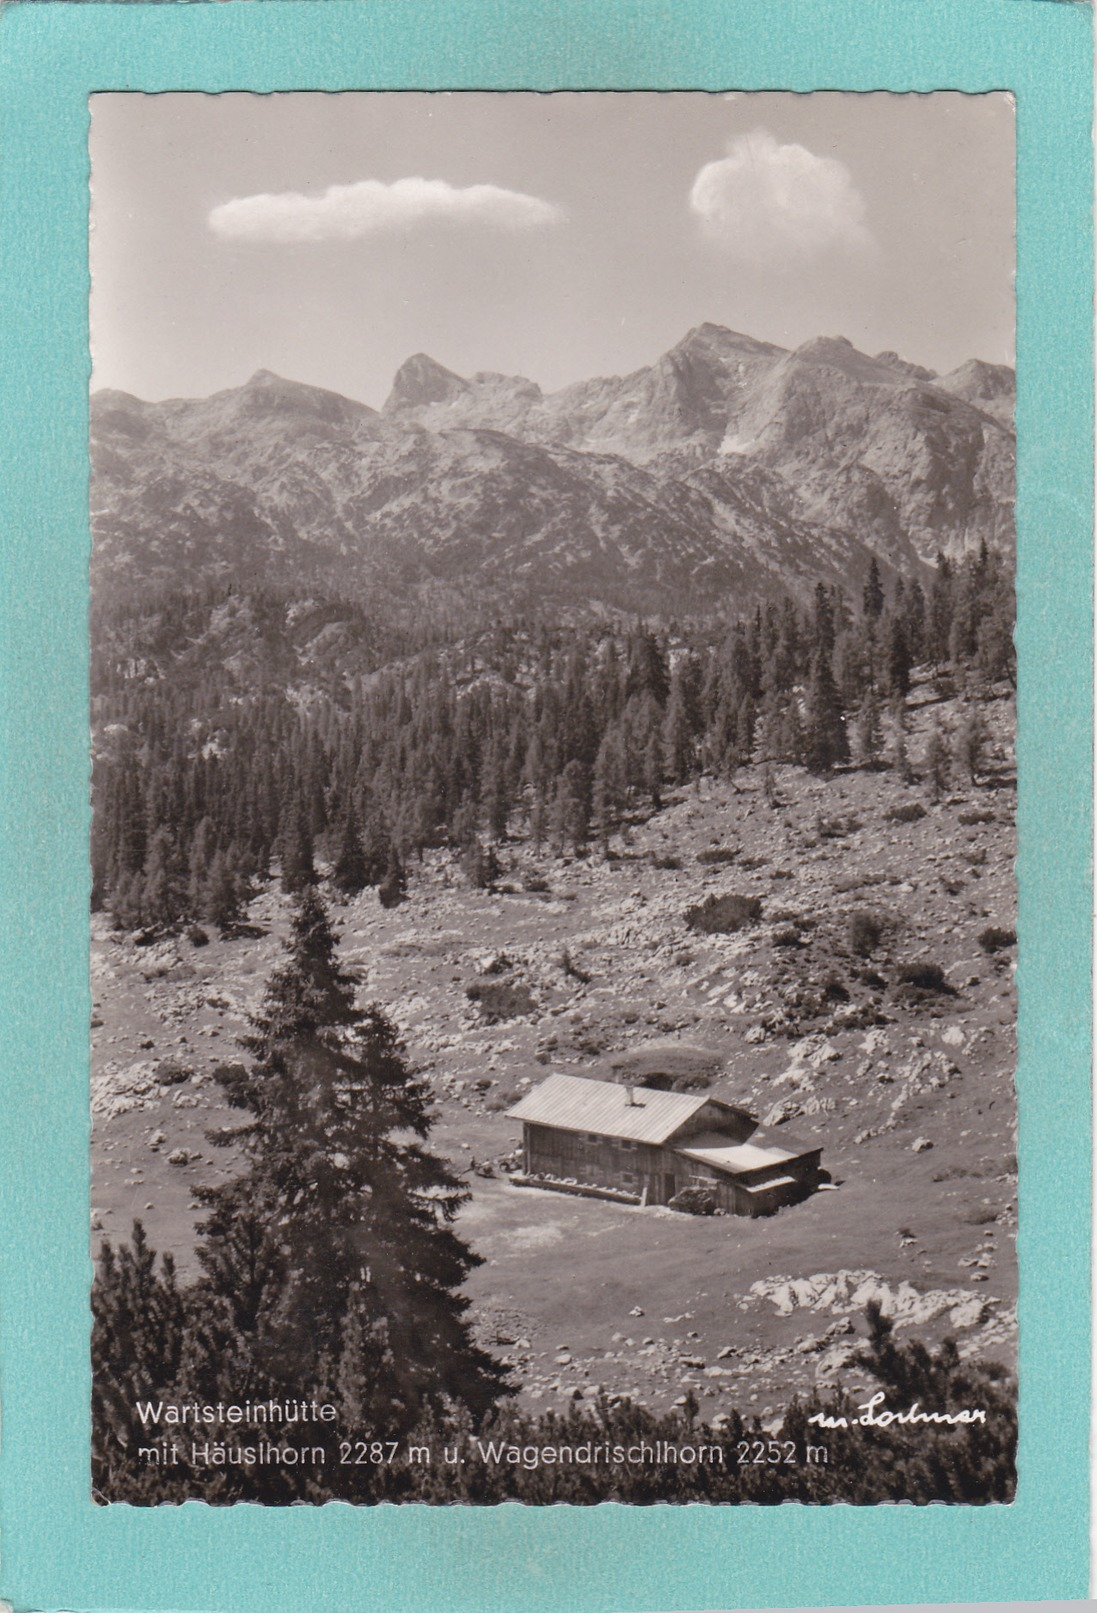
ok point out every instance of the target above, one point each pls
(722, 342)
(990, 388)
(421, 381)
(266, 394)
(892, 360)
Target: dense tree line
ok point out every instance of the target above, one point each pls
(202, 786)
(330, 1274)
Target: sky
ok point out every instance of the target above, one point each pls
(327, 237)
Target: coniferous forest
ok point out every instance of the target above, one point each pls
(207, 781)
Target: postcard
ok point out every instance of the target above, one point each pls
(549, 883)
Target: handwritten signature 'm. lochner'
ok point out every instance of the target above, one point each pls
(875, 1416)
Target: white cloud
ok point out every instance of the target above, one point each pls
(766, 202)
(374, 207)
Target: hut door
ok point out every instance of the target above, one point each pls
(670, 1186)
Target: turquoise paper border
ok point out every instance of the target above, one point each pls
(58, 1549)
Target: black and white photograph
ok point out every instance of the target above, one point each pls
(553, 705)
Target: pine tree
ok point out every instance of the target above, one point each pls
(221, 894)
(376, 847)
(202, 849)
(162, 894)
(350, 872)
(825, 740)
(363, 1278)
(971, 742)
(571, 808)
(898, 658)
(394, 888)
(935, 762)
(608, 787)
(298, 870)
(480, 865)
(900, 756)
(870, 738)
(653, 773)
(823, 624)
(939, 626)
(537, 819)
(872, 599)
(677, 735)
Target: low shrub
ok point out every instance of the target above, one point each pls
(787, 937)
(994, 938)
(835, 992)
(717, 856)
(728, 913)
(501, 1100)
(665, 861)
(694, 1199)
(865, 932)
(500, 1001)
(850, 884)
(977, 817)
(905, 813)
(793, 918)
(570, 969)
(173, 1072)
(198, 936)
(535, 884)
(923, 977)
(837, 825)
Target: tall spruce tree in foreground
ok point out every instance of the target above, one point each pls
(337, 1238)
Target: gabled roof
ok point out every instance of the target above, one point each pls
(587, 1105)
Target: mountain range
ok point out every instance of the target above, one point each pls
(728, 469)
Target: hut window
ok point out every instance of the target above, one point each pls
(627, 1145)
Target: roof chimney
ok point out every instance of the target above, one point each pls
(632, 1101)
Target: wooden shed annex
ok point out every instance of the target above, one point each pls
(651, 1144)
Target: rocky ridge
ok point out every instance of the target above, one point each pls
(729, 468)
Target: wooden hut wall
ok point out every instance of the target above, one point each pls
(604, 1161)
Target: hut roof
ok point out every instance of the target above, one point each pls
(760, 1151)
(582, 1105)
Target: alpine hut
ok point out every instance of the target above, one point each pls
(580, 1134)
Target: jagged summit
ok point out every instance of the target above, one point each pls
(420, 381)
(888, 357)
(721, 339)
